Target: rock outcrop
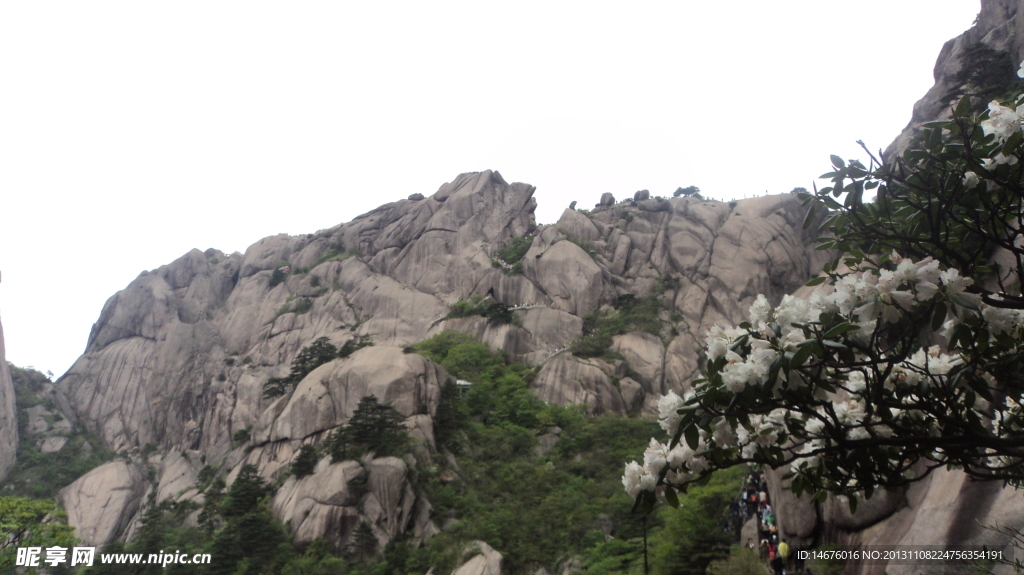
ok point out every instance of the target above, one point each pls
(178, 359)
(101, 503)
(8, 415)
(483, 560)
(1000, 26)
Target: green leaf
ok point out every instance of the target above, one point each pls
(837, 161)
(961, 301)
(1012, 142)
(670, 496)
(940, 316)
(801, 356)
(816, 281)
(809, 218)
(692, 435)
(636, 503)
(963, 107)
(838, 330)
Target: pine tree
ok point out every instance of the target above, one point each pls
(377, 427)
(305, 462)
(448, 417)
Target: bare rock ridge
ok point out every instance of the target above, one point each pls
(177, 361)
(1000, 26)
(8, 415)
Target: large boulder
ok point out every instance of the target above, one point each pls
(101, 503)
(321, 504)
(483, 560)
(565, 273)
(567, 380)
(645, 354)
(329, 395)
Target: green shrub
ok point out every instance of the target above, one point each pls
(311, 357)
(628, 313)
(516, 249)
(986, 74)
(305, 462)
(358, 486)
(583, 243)
(692, 537)
(277, 277)
(375, 427)
(688, 192)
(241, 436)
(41, 475)
(336, 252)
(31, 523)
(353, 345)
(303, 305)
(509, 259)
(495, 312)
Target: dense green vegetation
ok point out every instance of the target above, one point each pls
(537, 508)
(28, 522)
(692, 537)
(41, 475)
(235, 527)
(985, 74)
(375, 427)
(512, 255)
(629, 313)
(581, 242)
(311, 357)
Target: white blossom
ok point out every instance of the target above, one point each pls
(1002, 121)
(760, 309)
(954, 282)
(1001, 159)
(971, 180)
(999, 319)
(668, 418)
(655, 457)
(631, 479)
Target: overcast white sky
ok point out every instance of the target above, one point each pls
(132, 132)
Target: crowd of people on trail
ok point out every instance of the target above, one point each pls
(755, 502)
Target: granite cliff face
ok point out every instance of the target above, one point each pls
(1000, 26)
(8, 415)
(176, 363)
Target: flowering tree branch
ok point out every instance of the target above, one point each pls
(895, 366)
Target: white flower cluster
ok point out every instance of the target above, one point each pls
(924, 363)
(862, 297)
(683, 463)
(1002, 121)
